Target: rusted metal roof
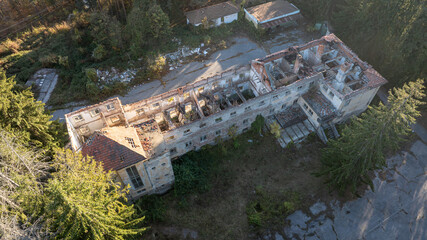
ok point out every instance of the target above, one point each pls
(211, 12)
(271, 10)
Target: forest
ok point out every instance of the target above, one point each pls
(86, 35)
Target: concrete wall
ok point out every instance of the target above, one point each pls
(156, 174)
(218, 21)
(231, 18)
(251, 18)
(356, 104)
(85, 121)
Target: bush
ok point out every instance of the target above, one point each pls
(270, 207)
(275, 129)
(257, 125)
(153, 207)
(192, 173)
(99, 52)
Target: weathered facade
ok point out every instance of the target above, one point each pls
(305, 88)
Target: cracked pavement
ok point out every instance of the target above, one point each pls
(395, 210)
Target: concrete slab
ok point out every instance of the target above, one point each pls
(396, 210)
(297, 131)
(291, 133)
(308, 125)
(303, 129)
(285, 137)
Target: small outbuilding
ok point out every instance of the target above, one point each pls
(272, 14)
(215, 15)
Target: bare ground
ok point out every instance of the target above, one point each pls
(221, 212)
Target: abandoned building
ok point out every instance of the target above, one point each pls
(272, 14)
(307, 88)
(215, 15)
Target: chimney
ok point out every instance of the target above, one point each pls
(297, 64)
(320, 50)
(340, 77)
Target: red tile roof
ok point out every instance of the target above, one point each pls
(110, 152)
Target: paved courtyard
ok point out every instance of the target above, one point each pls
(397, 209)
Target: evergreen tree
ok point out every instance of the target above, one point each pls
(81, 201)
(147, 25)
(26, 118)
(20, 167)
(347, 161)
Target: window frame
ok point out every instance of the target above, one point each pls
(134, 177)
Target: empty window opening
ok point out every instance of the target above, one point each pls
(262, 103)
(305, 106)
(156, 105)
(245, 121)
(203, 138)
(78, 118)
(247, 108)
(186, 132)
(173, 150)
(134, 177)
(310, 112)
(95, 112)
(275, 97)
(140, 191)
(300, 87)
(233, 113)
(153, 168)
(163, 164)
(218, 120)
(84, 130)
(188, 144)
(218, 132)
(131, 142)
(202, 125)
(110, 107)
(115, 119)
(331, 94)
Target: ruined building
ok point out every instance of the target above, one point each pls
(305, 89)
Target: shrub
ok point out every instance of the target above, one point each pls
(99, 52)
(257, 125)
(271, 207)
(275, 129)
(153, 207)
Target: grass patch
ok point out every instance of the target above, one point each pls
(271, 208)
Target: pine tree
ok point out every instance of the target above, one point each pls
(20, 167)
(26, 118)
(81, 201)
(347, 161)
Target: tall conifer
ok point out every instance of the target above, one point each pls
(347, 161)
